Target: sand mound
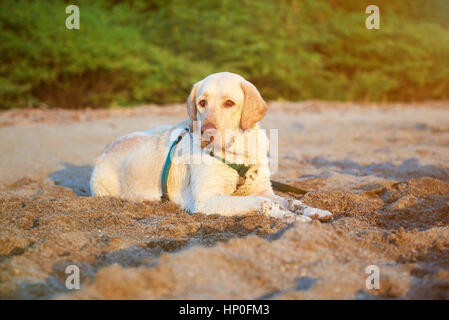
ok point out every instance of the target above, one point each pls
(121, 247)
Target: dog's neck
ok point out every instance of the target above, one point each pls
(248, 147)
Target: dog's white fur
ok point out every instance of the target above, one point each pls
(131, 166)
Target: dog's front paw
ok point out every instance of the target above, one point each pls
(314, 213)
(272, 209)
(299, 207)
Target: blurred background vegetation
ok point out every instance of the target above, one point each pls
(131, 52)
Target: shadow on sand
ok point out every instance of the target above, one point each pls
(73, 177)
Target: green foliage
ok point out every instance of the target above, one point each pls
(129, 52)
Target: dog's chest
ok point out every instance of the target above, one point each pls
(247, 185)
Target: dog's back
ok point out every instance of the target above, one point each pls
(130, 161)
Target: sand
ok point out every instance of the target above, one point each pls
(382, 169)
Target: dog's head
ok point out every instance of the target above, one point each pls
(222, 102)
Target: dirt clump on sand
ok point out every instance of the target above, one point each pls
(390, 205)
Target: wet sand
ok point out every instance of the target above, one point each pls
(382, 169)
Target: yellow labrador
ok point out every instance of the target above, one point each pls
(226, 109)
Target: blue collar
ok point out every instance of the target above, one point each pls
(167, 165)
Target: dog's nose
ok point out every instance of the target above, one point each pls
(207, 127)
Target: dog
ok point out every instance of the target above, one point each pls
(226, 109)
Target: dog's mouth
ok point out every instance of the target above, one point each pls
(205, 143)
(208, 137)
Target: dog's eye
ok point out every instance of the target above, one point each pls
(202, 103)
(229, 103)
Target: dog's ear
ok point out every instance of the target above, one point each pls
(254, 107)
(191, 104)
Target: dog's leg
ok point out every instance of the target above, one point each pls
(299, 207)
(235, 205)
(104, 181)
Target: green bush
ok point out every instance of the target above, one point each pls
(129, 52)
(105, 61)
